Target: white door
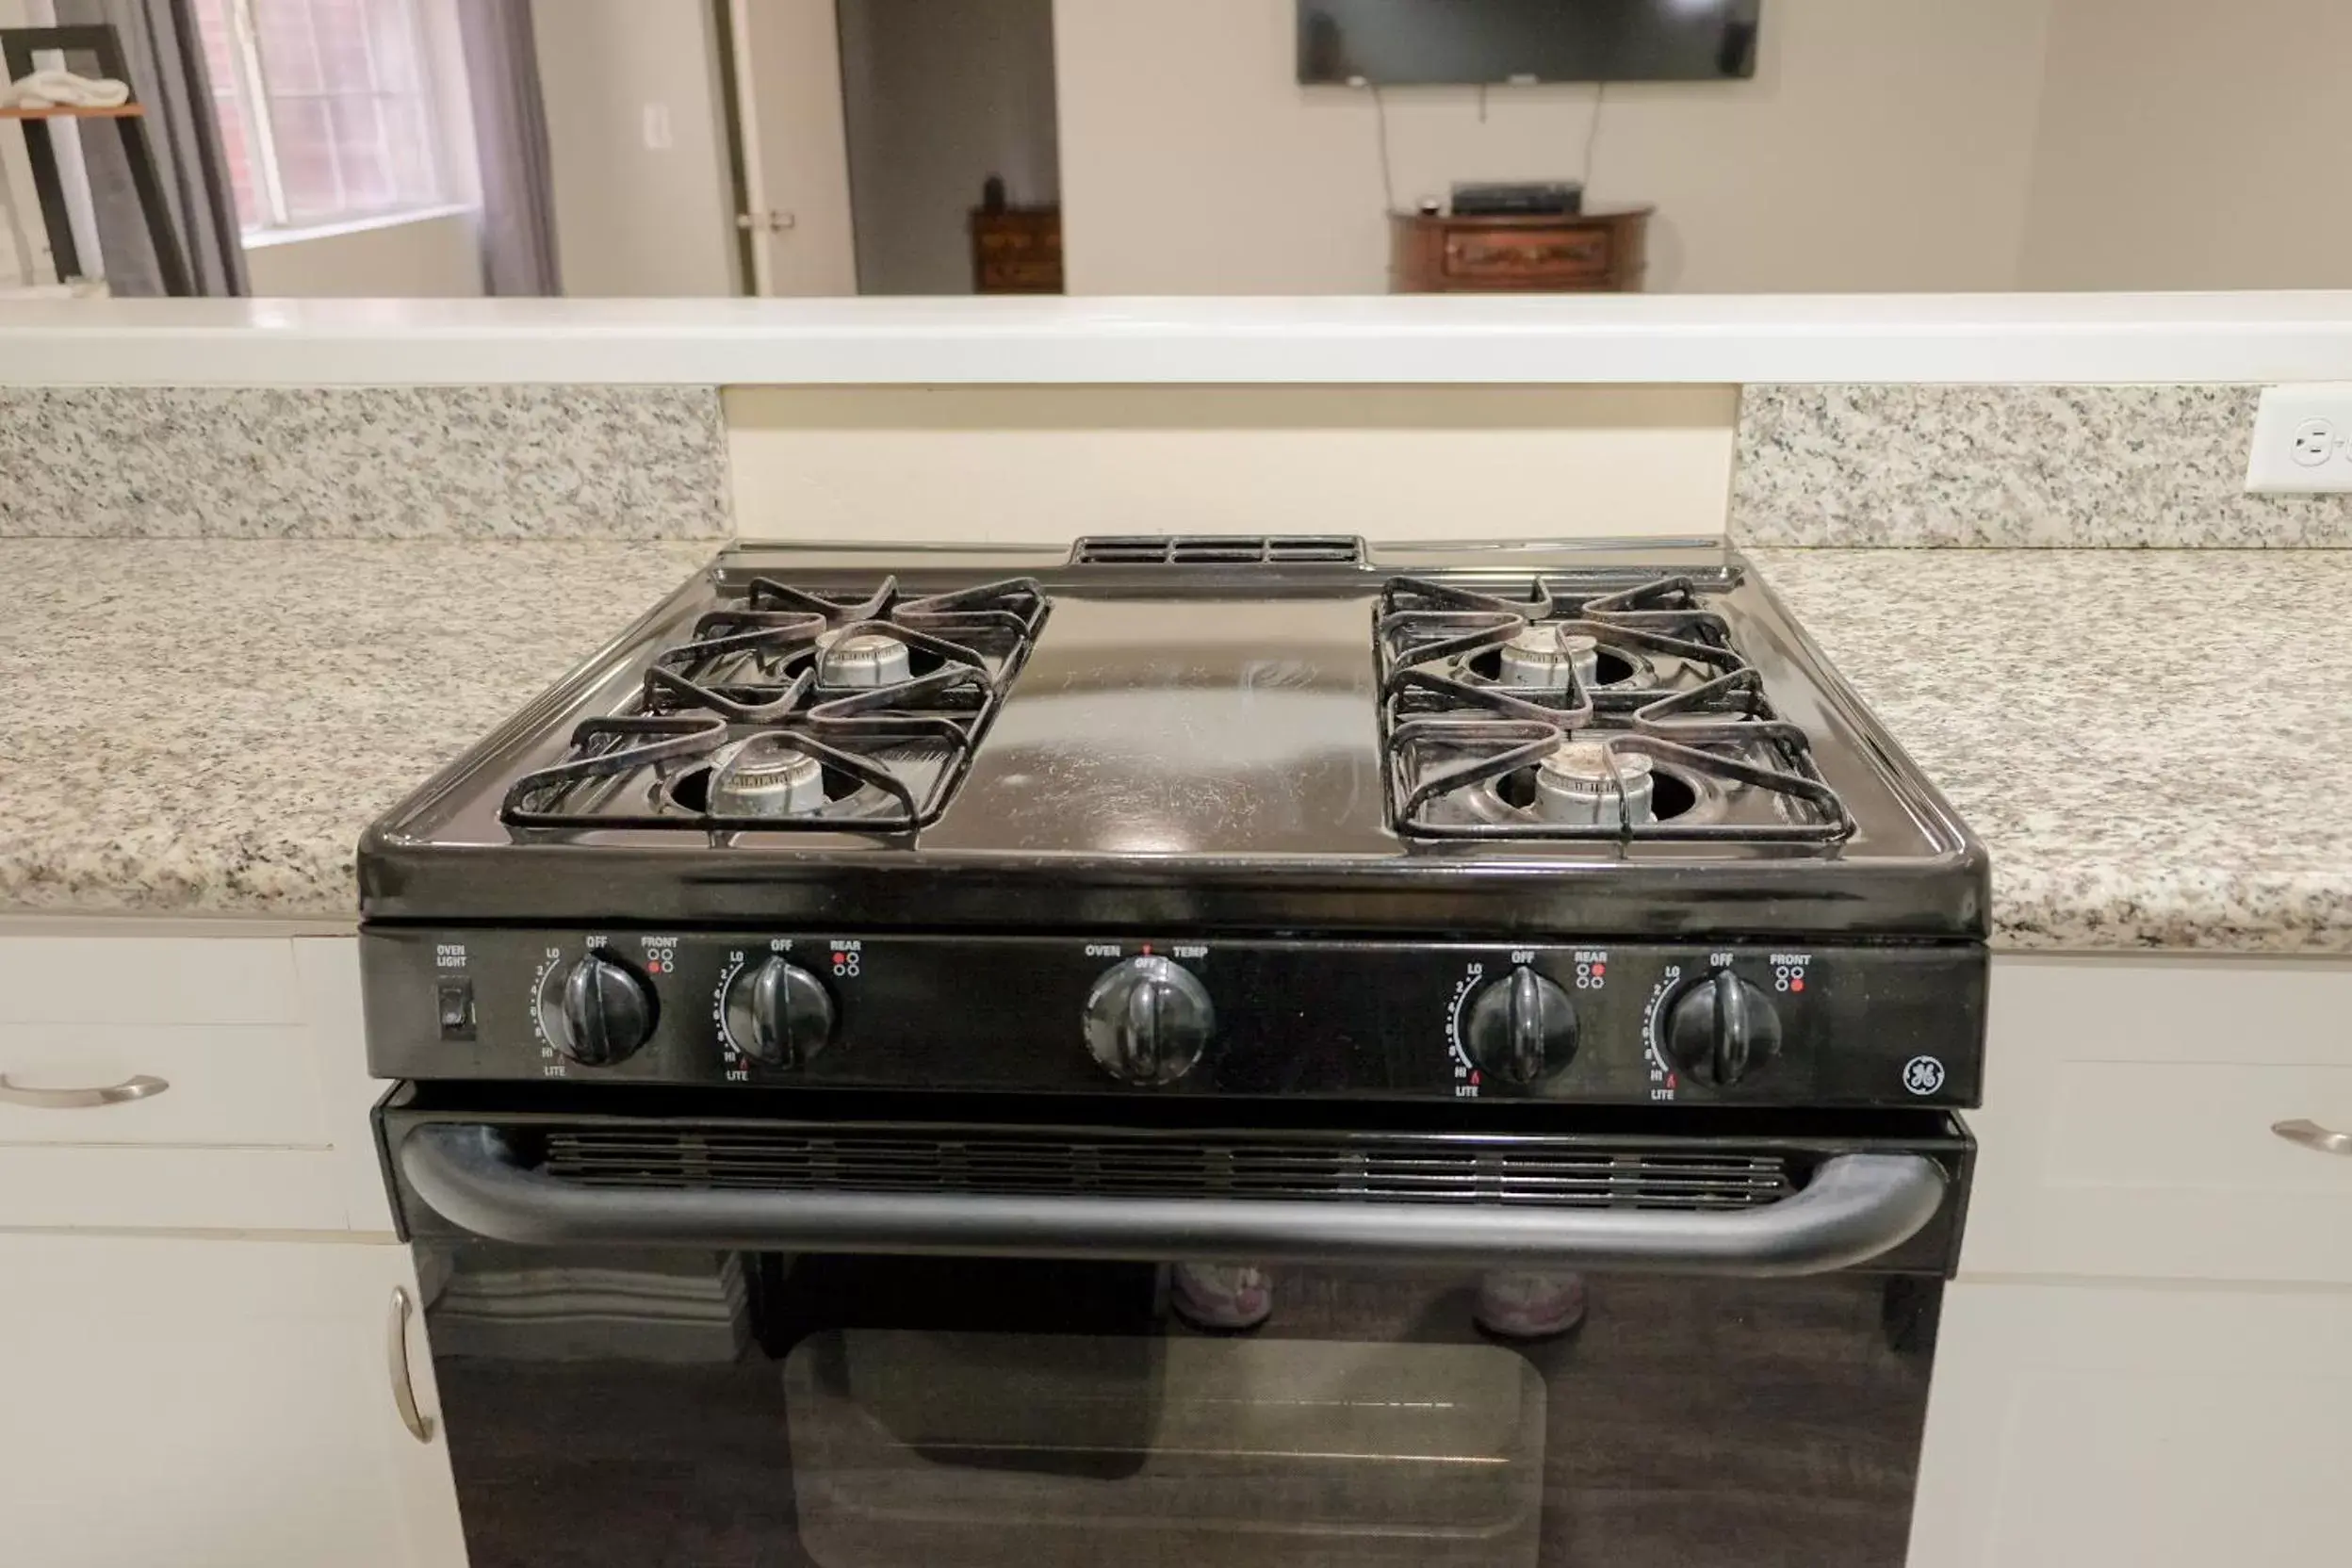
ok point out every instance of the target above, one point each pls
(201, 1403)
(788, 88)
(2139, 1423)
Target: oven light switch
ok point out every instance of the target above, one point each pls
(457, 1009)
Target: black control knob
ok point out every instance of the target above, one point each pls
(1721, 1029)
(603, 1013)
(1147, 1020)
(779, 1014)
(1520, 1027)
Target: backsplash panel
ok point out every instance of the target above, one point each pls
(362, 462)
(2160, 466)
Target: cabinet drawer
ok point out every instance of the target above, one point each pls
(2126, 1128)
(261, 1118)
(998, 276)
(158, 980)
(224, 1085)
(1018, 244)
(1531, 257)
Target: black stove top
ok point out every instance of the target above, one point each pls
(1268, 734)
(1229, 818)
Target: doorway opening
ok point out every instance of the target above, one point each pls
(894, 146)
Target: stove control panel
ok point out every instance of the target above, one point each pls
(1599, 1022)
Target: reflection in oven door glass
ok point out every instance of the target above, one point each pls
(608, 1408)
(1038, 1452)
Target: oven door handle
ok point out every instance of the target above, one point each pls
(1857, 1207)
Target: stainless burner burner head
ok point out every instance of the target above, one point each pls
(1540, 657)
(867, 659)
(767, 777)
(1574, 785)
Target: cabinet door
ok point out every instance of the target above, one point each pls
(199, 1402)
(2162, 1428)
(2129, 1105)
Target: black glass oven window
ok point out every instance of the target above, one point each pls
(635, 1410)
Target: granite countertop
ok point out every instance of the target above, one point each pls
(205, 725)
(2156, 746)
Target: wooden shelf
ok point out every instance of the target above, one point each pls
(61, 111)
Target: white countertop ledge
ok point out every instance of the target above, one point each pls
(2055, 339)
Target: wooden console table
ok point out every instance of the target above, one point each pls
(1601, 249)
(1017, 250)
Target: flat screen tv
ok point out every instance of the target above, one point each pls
(1427, 41)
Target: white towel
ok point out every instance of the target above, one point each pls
(64, 89)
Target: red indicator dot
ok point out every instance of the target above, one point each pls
(1600, 968)
(1473, 1080)
(1147, 950)
(1796, 985)
(1671, 1080)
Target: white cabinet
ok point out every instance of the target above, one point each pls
(2127, 1122)
(2083, 1423)
(2147, 1356)
(213, 1404)
(212, 1398)
(262, 1121)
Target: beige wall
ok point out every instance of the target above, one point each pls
(1883, 145)
(1051, 463)
(632, 220)
(426, 259)
(2195, 144)
(940, 94)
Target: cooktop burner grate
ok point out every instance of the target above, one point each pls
(1254, 1167)
(789, 710)
(1623, 714)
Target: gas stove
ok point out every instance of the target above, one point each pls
(1193, 819)
(976, 1046)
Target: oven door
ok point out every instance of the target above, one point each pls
(925, 1344)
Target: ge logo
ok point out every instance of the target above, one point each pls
(1922, 1075)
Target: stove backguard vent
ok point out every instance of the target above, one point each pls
(1211, 549)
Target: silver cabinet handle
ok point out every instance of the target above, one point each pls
(419, 1425)
(2310, 1134)
(128, 1089)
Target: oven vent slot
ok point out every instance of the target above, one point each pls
(1219, 1166)
(1211, 549)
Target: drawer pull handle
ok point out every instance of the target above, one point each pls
(419, 1425)
(139, 1087)
(2310, 1134)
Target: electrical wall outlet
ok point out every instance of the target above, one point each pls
(2302, 439)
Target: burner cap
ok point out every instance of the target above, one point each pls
(867, 659)
(1540, 657)
(1574, 785)
(766, 777)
